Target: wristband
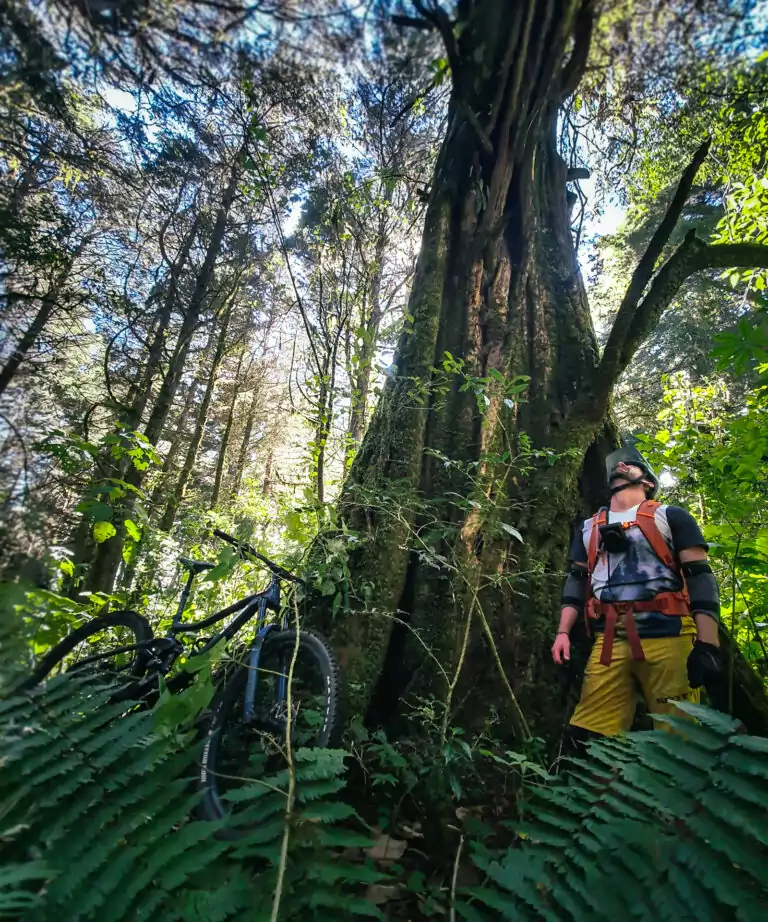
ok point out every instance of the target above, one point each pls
(562, 632)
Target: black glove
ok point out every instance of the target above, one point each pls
(704, 664)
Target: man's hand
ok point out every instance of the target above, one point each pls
(704, 664)
(561, 649)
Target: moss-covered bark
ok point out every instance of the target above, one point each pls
(489, 442)
(498, 287)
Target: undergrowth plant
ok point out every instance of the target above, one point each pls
(656, 826)
(97, 821)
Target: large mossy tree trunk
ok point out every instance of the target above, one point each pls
(497, 287)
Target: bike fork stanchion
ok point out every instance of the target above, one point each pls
(249, 705)
(282, 681)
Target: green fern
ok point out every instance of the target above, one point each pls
(655, 826)
(97, 821)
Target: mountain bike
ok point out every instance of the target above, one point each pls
(249, 714)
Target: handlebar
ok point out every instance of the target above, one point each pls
(246, 549)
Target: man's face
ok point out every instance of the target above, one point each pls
(626, 472)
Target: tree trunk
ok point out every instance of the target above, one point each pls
(143, 388)
(192, 315)
(267, 489)
(29, 338)
(322, 426)
(368, 349)
(169, 462)
(497, 286)
(224, 445)
(106, 561)
(245, 444)
(179, 490)
(325, 401)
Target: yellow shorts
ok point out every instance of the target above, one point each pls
(609, 694)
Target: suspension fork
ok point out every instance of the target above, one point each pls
(270, 599)
(282, 679)
(249, 705)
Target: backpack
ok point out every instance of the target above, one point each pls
(668, 603)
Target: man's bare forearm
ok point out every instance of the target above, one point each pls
(568, 617)
(706, 628)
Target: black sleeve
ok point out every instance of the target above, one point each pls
(685, 530)
(578, 553)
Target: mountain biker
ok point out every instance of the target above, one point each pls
(639, 572)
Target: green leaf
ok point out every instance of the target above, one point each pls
(96, 510)
(511, 530)
(103, 531)
(132, 529)
(67, 566)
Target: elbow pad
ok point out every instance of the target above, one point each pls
(575, 588)
(702, 588)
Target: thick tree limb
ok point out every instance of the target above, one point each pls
(573, 71)
(577, 172)
(611, 364)
(436, 15)
(693, 255)
(412, 22)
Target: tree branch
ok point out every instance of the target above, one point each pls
(611, 364)
(693, 255)
(412, 22)
(443, 23)
(573, 71)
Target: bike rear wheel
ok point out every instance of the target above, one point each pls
(236, 752)
(111, 646)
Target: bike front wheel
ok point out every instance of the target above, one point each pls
(111, 646)
(237, 750)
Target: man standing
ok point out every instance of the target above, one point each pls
(639, 571)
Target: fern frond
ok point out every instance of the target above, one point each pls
(684, 813)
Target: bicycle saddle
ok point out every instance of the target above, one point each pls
(196, 566)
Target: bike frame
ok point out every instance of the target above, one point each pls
(258, 603)
(162, 652)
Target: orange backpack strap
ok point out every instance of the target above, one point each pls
(598, 519)
(646, 521)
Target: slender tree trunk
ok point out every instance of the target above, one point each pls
(321, 439)
(245, 444)
(192, 315)
(267, 488)
(224, 445)
(178, 438)
(177, 495)
(368, 349)
(106, 561)
(143, 388)
(33, 331)
(26, 342)
(325, 401)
